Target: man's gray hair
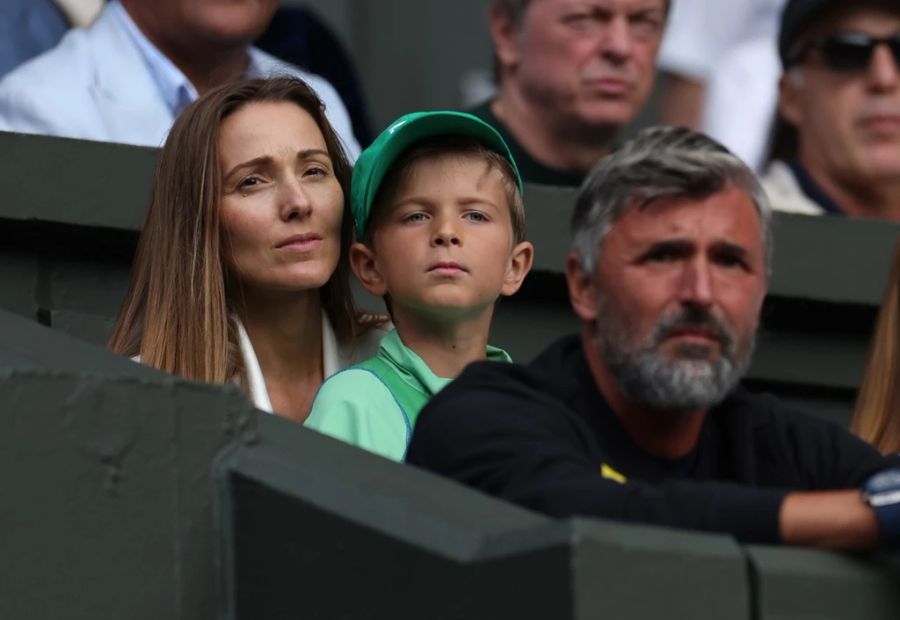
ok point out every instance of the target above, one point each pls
(658, 162)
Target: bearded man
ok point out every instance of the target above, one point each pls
(640, 416)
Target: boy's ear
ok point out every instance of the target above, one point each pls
(519, 265)
(362, 262)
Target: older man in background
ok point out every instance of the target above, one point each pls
(839, 136)
(127, 76)
(571, 75)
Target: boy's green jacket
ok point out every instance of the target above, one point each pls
(374, 404)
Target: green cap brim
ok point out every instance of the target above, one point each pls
(374, 162)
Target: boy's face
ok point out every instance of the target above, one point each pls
(444, 246)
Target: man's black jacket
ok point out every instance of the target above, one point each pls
(542, 436)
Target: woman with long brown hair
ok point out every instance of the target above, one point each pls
(241, 271)
(877, 415)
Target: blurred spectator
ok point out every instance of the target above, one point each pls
(298, 36)
(720, 71)
(126, 78)
(571, 76)
(31, 27)
(838, 139)
(27, 28)
(877, 415)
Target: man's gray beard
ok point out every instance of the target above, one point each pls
(688, 382)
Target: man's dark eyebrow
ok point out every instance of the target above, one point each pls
(674, 246)
(732, 249)
(266, 159)
(684, 247)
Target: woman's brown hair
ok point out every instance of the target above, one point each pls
(877, 415)
(177, 312)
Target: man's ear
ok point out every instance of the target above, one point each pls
(790, 87)
(363, 264)
(520, 261)
(582, 290)
(504, 34)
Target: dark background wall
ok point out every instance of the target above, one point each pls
(410, 54)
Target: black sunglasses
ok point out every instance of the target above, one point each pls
(847, 52)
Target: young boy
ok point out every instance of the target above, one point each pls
(437, 201)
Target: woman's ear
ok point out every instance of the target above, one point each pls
(363, 264)
(520, 261)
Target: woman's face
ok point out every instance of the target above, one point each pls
(281, 203)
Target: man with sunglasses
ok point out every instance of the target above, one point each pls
(839, 106)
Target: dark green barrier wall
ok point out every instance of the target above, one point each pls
(107, 502)
(131, 494)
(68, 227)
(386, 540)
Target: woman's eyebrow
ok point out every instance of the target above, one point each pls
(251, 163)
(306, 153)
(266, 159)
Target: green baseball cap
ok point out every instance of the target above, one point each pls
(374, 162)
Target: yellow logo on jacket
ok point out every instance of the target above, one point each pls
(611, 474)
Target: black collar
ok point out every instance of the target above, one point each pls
(813, 190)
(531, 170)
